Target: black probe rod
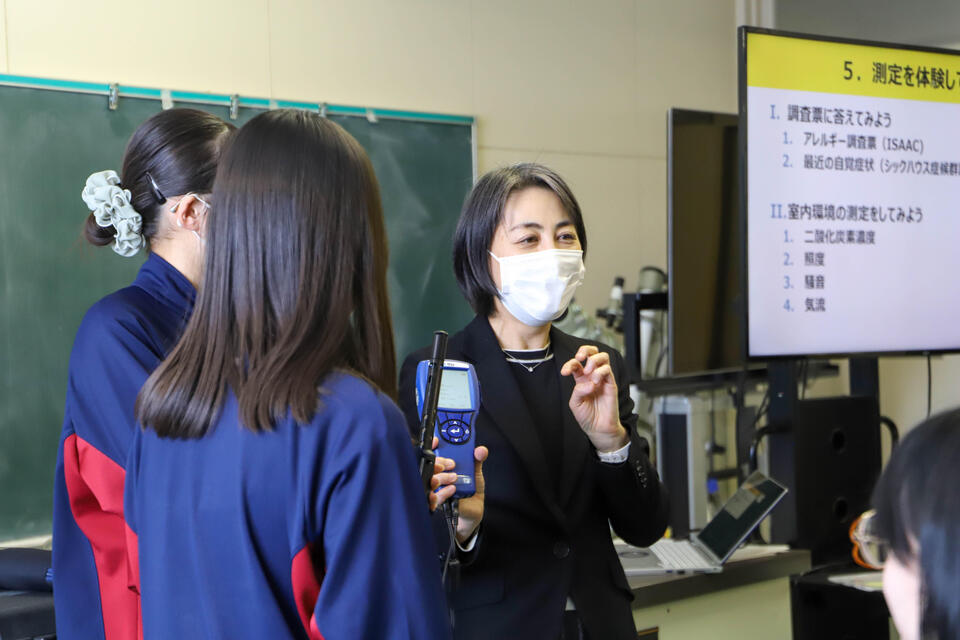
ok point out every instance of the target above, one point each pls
(428, 418)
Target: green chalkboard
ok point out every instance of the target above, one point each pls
(51, 140)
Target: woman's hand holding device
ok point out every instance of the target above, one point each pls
(471, 509)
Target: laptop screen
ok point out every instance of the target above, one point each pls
(743, 511)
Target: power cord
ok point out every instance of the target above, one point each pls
(451, 512)
(762, 432)
(894, 432)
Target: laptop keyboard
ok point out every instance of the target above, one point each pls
(678, 555)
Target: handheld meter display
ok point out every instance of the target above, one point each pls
(457, 408)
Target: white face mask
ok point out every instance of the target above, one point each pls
(537, 287)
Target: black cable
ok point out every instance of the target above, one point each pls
(451, 514)
(740, 390)
(754, 444)
(762, 409)
(929, 385)
(762, 432)
(894, 432)
(805, 367)
(663, 353)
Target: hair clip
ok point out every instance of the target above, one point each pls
(156, 190)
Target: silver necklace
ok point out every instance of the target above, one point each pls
(529, 363)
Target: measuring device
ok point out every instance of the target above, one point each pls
(456, 410)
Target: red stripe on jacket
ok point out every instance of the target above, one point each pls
(95, 487)
(306, 591)
(133, 573)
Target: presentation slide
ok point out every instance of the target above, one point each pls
(853, 197)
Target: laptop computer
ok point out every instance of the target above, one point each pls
(708, 549)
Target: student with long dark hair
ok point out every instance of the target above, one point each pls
(273, 491)
(157, 203)
(556, 414)
(915, 532)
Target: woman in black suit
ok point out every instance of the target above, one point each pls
(566, 460)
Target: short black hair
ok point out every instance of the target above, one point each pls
(916, 498)
(483, 212)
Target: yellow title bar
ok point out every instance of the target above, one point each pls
(781, 62)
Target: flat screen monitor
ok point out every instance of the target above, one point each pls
(852, 208)
(704, 302)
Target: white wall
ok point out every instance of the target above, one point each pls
(580, 85)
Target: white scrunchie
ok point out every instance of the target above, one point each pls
(111, 206)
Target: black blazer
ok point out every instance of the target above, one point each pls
(537, 548)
